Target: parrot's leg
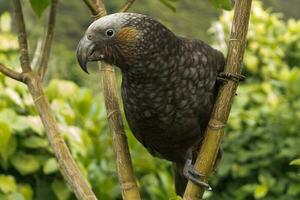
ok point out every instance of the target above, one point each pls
(191, 174)
(223, 77)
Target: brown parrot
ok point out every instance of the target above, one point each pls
(168, 84)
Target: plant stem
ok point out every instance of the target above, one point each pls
(125, 171)
(11, 73)
(215, 130)
(33, 81)
(42, 67)
(124, 165)
(127, 5)
(66, 163)
(22, 36)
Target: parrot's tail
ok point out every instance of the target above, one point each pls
(179, 179)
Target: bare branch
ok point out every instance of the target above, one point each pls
(100, 8)
(25, 62)
(11, 73)
(215, 130)
(67, 165)
(42, 67)
(127, 5)
(92, 6)
(125, 171)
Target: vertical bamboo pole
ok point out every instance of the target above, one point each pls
(215, 130)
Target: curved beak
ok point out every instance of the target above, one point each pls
(85, 49)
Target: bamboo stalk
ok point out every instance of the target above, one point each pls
(215, 130)
(33, 81)
(92, 7)
(127, 5)
(125, 171)
(120, 145)
(100, 7)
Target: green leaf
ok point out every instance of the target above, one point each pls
(224, 4)
(35, 123)
(35, 142)
(26, 191)
(5, 136)
(61, 89)
(50, 166)
(295, 162)
(260, 191)
(60, 189)
(39, 6)
(5, 22)
(25, 163)
(15, 196)
(7, 184)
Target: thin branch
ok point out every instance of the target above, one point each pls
(42, 67)
(92, 6)
(66, 162)
(215, 130)
(125, 171)
(127, 5)
(120, 145)
(24, 58)
(100, 8)
(11, 73)
(67, 165)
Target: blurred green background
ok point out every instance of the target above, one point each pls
(262, 143)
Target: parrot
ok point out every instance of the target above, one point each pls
(169, 85)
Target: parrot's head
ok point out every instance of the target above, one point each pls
(123, 39)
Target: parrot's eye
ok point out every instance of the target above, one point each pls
(110, 32)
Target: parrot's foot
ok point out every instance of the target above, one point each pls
(223, 77)
(191, 174)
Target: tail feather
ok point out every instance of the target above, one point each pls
(179, 179)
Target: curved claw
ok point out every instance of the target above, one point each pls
(191, 174)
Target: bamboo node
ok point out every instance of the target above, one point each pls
(95, 17)
(216, 124)
(128, 185)
(111, 113)
(234, 39)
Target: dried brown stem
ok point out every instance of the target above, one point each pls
(42, 67)
(127, 5)
(67, 165)
(11, 73)
(215, 130)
